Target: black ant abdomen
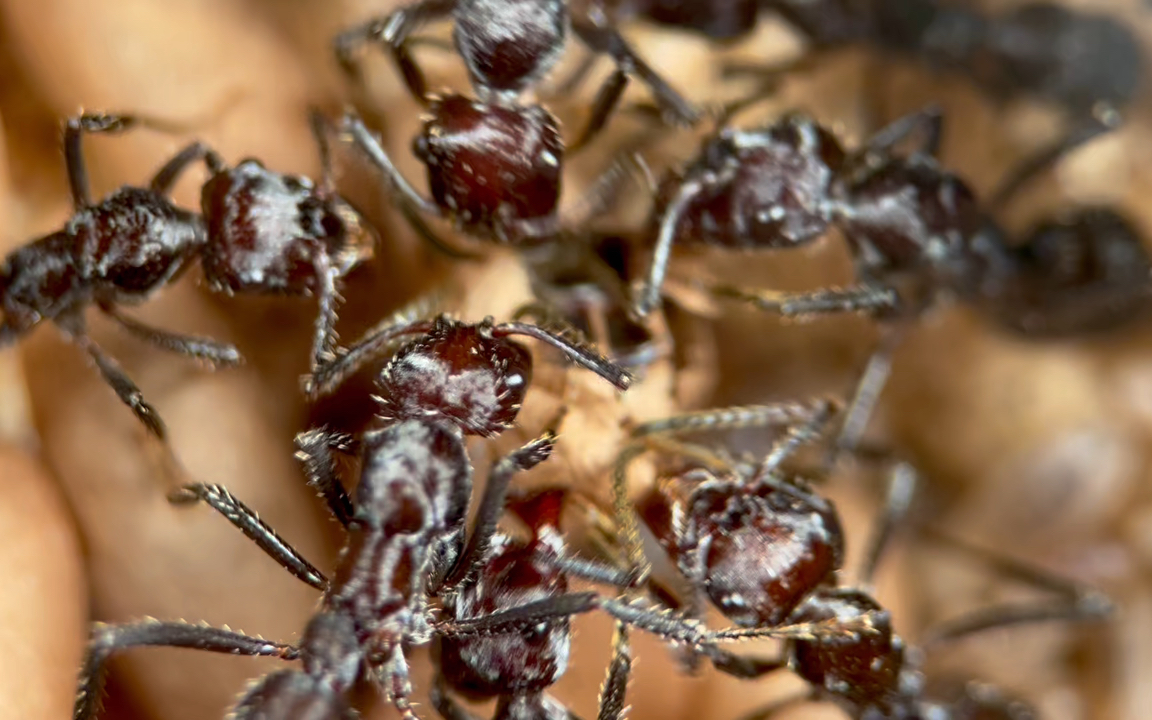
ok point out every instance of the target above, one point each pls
(270, 232)
(491, 166)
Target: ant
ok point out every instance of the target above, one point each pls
(766, 549)
(1079, 61)
(494, 164)
(260, 231)
(916, 232)
(406, 531)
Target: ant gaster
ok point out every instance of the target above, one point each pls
(494, 164)
(260, 232)
(766, 549)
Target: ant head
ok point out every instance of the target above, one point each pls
(763, 546)
(509, 44)
(462, 373)
(489, 163)
(864, 668)
(265, 229)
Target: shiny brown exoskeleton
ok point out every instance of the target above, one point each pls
(517, 667)
(260, 231)
(767, 550)
(494, 164)
(406, 529)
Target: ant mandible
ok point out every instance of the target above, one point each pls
(766, 549)
(494, 164)
(260, 232)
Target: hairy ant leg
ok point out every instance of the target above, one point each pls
(1075, 602)
(114, 375)
(391, 32)
(108, 639)
(314, 452)
(215, 353)
(171, 171)
(901, 488)
(248, 522)
(866, 299)
(866, 393)
(370, 348)
(492, 506)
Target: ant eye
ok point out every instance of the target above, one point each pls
(514, 380)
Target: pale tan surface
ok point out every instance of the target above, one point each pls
(1037, 448)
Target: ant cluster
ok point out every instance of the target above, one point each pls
(755, 538)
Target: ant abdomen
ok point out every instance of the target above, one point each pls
(459, 372)
(509, 45)
(491, 164)
(267, 232)
(860, 670)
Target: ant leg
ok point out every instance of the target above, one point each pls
(1077, 601)
(607, 98)
(167, 175)
(615, 688)
(795, 436)
(314, 451)
(870, 299)
(115, 376)
(649, 293)
(867, 393)
(439, 244)
(1042, 160)
(785, 413)
(392, 32)
(363, 138)
(108, 639)
(395, 679)
(321, 131)
(901, 488)
(327, 298)
(522, 616)
(448, 708)
(605, 39)
(377, 342)
(219, 499)
(583, 356)
(492, 505)
(929, 121)
(216, 354)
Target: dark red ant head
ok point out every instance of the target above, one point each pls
(270, 232)
(763, 547)
(490, 165)
(461, 373)
(37, 282)
(862, 670)
(525, 660)
(763, 189)
(509, 44)
(908, 214)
